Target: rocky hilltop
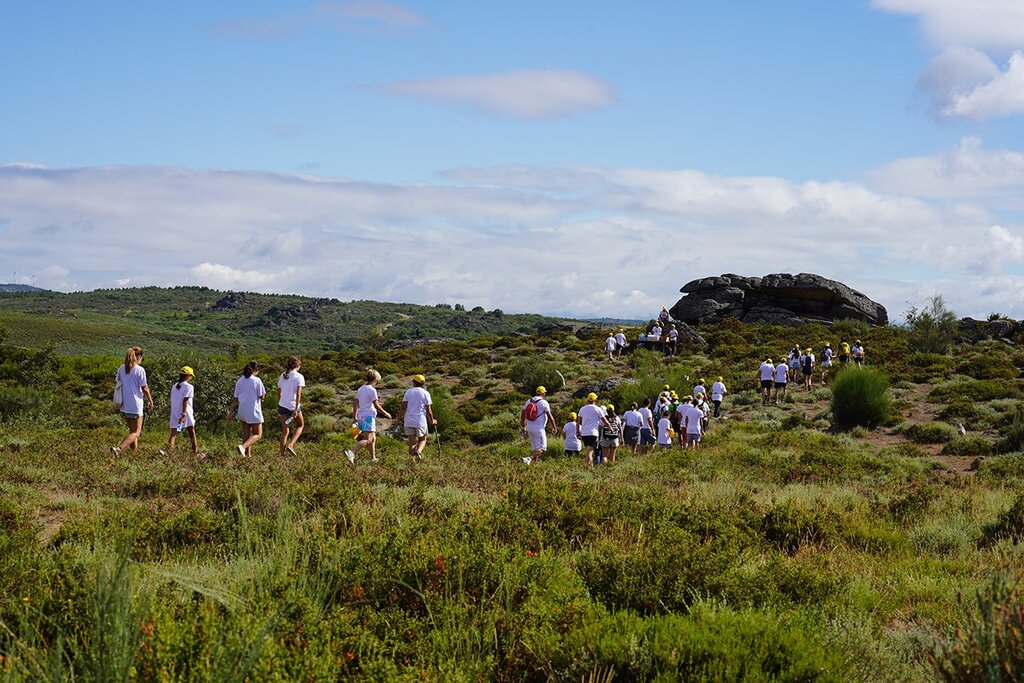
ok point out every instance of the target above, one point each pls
(779, 299)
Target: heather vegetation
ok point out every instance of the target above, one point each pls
(853, 532)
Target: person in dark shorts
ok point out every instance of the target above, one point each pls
(765, 375)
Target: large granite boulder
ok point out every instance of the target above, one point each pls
(779, 299)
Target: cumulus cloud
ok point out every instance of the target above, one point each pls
(1003, 95)
(987, 24)
(524, 93)
(968, 171)
(585, 241)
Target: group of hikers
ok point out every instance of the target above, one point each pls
(598, 431)
(660, 334)
(132, 398)
(798, 366)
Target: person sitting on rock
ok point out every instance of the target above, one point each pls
(663, 316)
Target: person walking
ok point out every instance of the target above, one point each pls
(807, 367)
(632, 421)
(182, 413)
(609, 346)
(247, 406)
(718, 392)
(826, 363)
(131, 378)
(620, 343)
(844, 352)
(699, 390)
(647, 427)
(418, 415)
(692, 423)
(588, 423)
(766, 375)
(611, 432)
(673, 340)
(794, 364)
(534, 420)
(572, 437)
(858, 353)
(364, 413)
(781, 379)
(664, 433)
(289, 404)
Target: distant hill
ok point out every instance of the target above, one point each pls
(10, 287)
(108, 320)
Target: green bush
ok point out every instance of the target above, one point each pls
(529, 373)
(1009, 525)
(932, 328)
(970, 444)
(930, 432)
(860, 397)
(1013, 434)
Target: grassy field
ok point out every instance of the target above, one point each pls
(784, 549)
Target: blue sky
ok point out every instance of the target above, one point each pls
(575, 158)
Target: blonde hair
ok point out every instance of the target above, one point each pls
(132, 358)
(372, 375)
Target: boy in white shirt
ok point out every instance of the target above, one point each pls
(765, 375)
(718, 392)
(781, 379)
(664, 437)
(535, 416)
(418, 416)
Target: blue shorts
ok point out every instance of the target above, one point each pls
(631, 436)
(367, 424)
(647, 437)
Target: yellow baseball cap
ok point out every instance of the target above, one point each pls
(419, 379)
(591, 396)
(541, 390)
(720, 378)
(610, 406)
(186, 370)
(572, 416)
(667, 387)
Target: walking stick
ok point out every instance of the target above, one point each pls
(437, 436)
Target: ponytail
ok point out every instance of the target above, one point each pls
(132, 358)
(251, 367)
(181, 378)
(293, 363)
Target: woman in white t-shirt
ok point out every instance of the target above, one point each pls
(289, 404)
(718, 392)
(248, 401)
(418, 416)
(182, 413)
(573, 446)
(364, 414)
(131, 377)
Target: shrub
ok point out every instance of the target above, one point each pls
(990, 645)
(860, 397)
(931, 432)
(529, 373)
(1009, 525)
(1013, 434)
(968, 445)
(932, 328)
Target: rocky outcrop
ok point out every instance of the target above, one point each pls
(1005, 329)
(779, 299)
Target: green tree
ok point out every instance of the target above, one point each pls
(932, 328)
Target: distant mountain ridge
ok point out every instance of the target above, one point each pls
(11, 287)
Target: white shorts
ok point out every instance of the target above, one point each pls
(418, 432)
(826, 363)
(538, 440)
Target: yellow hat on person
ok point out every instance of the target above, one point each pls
(186, 370)
(591, 396)
(419, 379)
(572, 416)
(610, 406)
(667, 387)
(541, 390)
(828, 343)
(807, 350)
(720, 378)
(674, 395)
(767, 360)
(700, 381)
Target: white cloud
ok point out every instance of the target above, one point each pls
(366, 16)
(968, 171)
(955, 72)
(586, 241)
(987, 24)
(524, 93)
(1001, 96)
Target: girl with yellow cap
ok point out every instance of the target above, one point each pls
(182, 414)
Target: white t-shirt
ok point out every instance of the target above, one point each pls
(572, 443)
(289, 386)
(663, 426)
(673, 334)
(717, 391)
(857, 351)
(590, 419)
(417, 400)
(131, 389)
(646, 417)
(781, 372)
(541, 422)
(826, 355)
(609, 343)
(656, 332)
(632, 418)
(366, 395)
(805, 358)
(178, 395)
(693, 416)
(698, 390)
(767, 371)
(620, 339)
(250, 392)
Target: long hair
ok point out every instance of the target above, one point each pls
(251, 367)
(293, 363)
(132, 358)
(181, 378)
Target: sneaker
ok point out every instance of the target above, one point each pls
(350, 456)
(419, 456)
(115, 450)
(527, 460)
(241, 450)
(373, 459)
(290, 450)
(163, 452)
(200, 456)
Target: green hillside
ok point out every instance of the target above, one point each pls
(164, 319)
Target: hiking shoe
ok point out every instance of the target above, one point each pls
(419, 456)
(527, 460)
(290, 450)
(374, 459)
(115, 450)
(350, 456)
(200, 455)
(241, 450)
(163, 452)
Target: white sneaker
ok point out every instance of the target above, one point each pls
(163, 452)
(350, 456)
(115, 450)
(241, 450)
(373, 459)
(527, 460)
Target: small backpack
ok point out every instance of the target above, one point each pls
(610, 432)
(531, 409)
(807, 362)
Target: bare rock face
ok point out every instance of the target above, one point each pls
(779, 299)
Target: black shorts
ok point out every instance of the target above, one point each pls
(780, 385)
(631, 436)
(572, 453)
(766, 384)
(589, 440)
(807, 372)
(282, 411)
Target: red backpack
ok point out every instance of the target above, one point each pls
(531, 409)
